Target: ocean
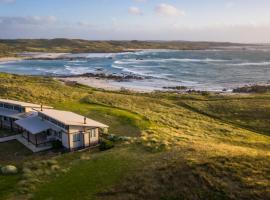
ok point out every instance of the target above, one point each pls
(212, 70)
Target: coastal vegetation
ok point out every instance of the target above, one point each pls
(10, 48)
(253, 89)
(176, 146)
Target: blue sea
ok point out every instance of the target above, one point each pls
(202, 70)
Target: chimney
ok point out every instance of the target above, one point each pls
(84, 120)
(41, 107)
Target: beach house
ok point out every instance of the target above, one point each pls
(41, 125)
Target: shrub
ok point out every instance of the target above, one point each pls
(55, 167)
(52, 162)
(115, 138)
(106, 144)
(57, 144)
(205, 93)
(26, 170)
(9, 169)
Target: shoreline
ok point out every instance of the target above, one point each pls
(112, 85)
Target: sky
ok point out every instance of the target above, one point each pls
(245, 21)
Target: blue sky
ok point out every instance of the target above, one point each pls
(215, 20)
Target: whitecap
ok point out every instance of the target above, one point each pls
(251, 64)
(117, 67)
(77, 70)
(135, 61)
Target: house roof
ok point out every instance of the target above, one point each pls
(70, 118)
(8, 113)
(22, 104)
(35, 125)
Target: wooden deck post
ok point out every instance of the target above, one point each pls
(11, 124)
(89, 135)
(68, 133)
(36, 140)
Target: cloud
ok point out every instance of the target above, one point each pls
(7, 1)
(230, 4)
(30, 20)
(168, 10)
(135, 11)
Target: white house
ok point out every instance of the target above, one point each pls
(41, 125)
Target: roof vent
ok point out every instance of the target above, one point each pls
(84, 120)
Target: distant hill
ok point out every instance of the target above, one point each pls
(61, 45)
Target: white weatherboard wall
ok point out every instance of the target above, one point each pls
(91, 140)
(86, 139)
(65, 140)
(85, 142)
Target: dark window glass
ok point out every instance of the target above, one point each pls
(77, 137)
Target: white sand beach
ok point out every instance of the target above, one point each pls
(33, 55)
(105, 84)
(10, 59)
(92, 82)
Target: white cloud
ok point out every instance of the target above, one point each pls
(135, 11)
(168, 10)
(85, 24)
(30, 20)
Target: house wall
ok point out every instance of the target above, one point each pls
(91, 139)
(65, 140)
(86, 139)
(28, 109)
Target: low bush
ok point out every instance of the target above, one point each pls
(9, 169)
(55, 167)
(115, 138)
(51, 162)
(57, 144)
(253, 89)
(106, 144)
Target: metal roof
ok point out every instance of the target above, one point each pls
(70, 118)
(22, 104)
(8, 113)
(35, 125)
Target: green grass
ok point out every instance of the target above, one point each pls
(13, 152)
(252, 112)
(8, 185)
(89, 176)
(188, 146)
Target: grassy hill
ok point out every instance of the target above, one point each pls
(11, 47)
(181, 146)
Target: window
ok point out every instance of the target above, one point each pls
(8, 106)
(93, 133)
(1, 105)
(76, 137)
(19, 109)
